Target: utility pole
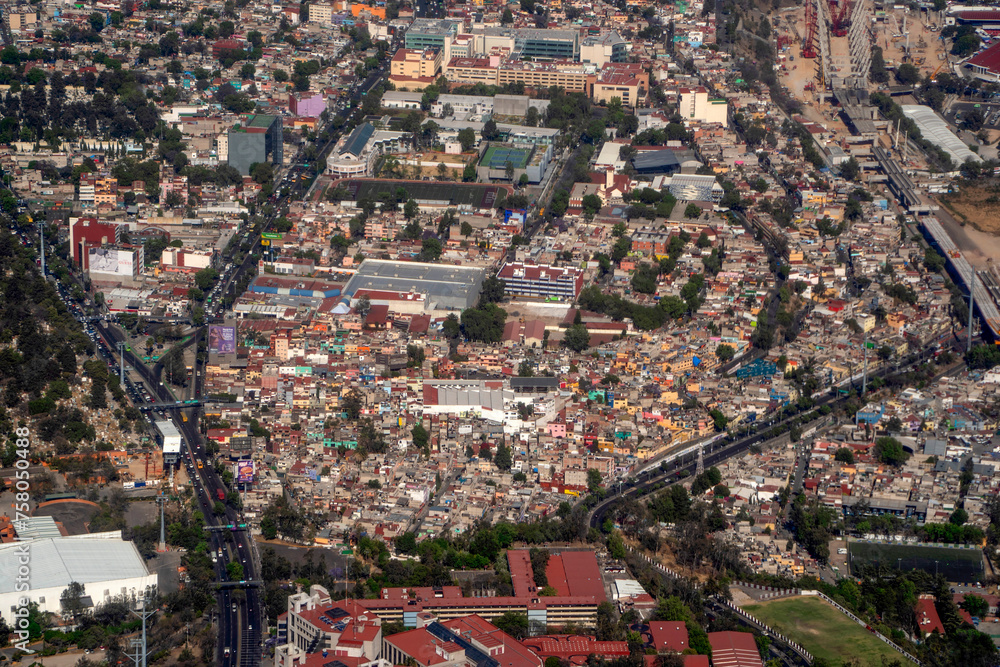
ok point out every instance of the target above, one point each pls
(700, 466)
(162, 547)
(139, 645)
(41, 242)
(972, 304)
(864, 373)
(121, 362)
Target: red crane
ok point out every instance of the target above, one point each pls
(809, 43)
(841, 18)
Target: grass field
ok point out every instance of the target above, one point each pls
(822, 630)
(958, 565)
(457, 194)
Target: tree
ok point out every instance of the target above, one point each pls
(844, 455)
(507, 18)
(850, 170)
(71, 600)
(890, 451)
(502, 458)
(591, 204)
(577, 338)
(725, 352)
(467, 137)
(692, 211)
(720, 420)
(493, 290)
(594, 480)
(411, 208)
(513, 623)
(958, 517)
(205, 277)
(907, 74)
(975, 605)
(363, 305)
(406, 543)
(421, 438)
(490, 131)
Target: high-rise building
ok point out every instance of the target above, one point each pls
(259, 139)
(86, 233)
(424, 33)
(695, 104)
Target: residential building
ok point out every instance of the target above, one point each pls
(541, 281)
(694, 104)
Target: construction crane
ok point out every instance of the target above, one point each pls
(809, 43)
(841, 17)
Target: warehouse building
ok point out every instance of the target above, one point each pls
(108, 567)
(444, 287)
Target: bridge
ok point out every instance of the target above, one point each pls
(227, 527)
(169, 405)
(239, 584)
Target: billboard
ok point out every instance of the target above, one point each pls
(111, 261)
(271, 235)
(221, 340)
(244, 471)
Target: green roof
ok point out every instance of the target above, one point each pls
(260, 120)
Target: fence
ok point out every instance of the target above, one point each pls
(875, 632)
(769, 592)
(768, 630)
(662, 568)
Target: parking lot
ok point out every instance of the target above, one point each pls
(990, 111)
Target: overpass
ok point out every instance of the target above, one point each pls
(169, 405)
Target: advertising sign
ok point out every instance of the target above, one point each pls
(221, 340)
(244, 471)
(270, 235)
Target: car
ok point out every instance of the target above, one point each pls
(226, 651)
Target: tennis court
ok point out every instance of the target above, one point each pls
(497, 157)
(447, 192)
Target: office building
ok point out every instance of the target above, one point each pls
(541, 281)
(355, 155)
(608, 47)
(259, 139)
(425, 33)
(87, 233)
(415, 68)
(314, 623)
(109, 568)
(695, 104)
(547, 44)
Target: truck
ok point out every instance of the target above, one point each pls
(220, 494)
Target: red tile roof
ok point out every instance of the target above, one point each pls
(669, 635)
(734, 649)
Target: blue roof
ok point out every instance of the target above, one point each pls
(359, 137)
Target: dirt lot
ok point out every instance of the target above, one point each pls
(977, 205)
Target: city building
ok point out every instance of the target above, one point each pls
(115, 264)
(445, 287)
(314, 623)
(692, 187)
(469, 641)
(259, 139)
(355, 155)
(541, 281)
(87, 233)
(608, 47)
(734, 649)
(547, 44)
(171, 440)
(415, 68)
(109, 568)
(306, 104)
(626, 81)
(424, 33)
(694, 104)
(178, 260)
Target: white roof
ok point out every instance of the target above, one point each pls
(935, 130)
(58, 561)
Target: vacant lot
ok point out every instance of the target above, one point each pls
(978, 205)
(823, 631)
(958, 565)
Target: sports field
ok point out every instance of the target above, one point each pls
(497, 157)
(823, 631)
(956, 564)
(456, 194)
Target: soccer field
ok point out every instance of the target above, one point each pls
(823, 631)
(956, 564)
(456, 194)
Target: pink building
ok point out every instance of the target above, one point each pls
(307, 104)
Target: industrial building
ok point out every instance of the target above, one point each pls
(259, 139)
(934, 129)
(108, 567)
(171, 440)
(444, 287)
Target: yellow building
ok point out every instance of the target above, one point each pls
(415, 68)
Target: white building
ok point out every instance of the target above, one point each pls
(107, 566)
(356, 154)
(694, 104)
